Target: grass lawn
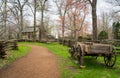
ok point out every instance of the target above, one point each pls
(13, 55)
(70, 69)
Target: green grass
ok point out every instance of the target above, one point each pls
(118, 49)
(14, 55)
(70, 69)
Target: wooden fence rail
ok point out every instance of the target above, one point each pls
(7, 46)
(66, 42)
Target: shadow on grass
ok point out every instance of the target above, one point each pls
(92, 62)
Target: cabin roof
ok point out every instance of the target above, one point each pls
(29, 29)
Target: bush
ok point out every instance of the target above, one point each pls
(103, 35)
(116, 30)
(80, 38)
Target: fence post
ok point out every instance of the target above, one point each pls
(2, 49)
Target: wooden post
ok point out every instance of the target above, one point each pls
(2, 50)
(15, 45)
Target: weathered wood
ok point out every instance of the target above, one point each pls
(11, 45)
(96, 49)
(91, 48)
(2, 49)
(99, 49)
(7, 46)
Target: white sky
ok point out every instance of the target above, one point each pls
(103, 6)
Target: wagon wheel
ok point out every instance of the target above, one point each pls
(79, 53)
(72, 51)
(79, 50)
(80, 56)
(110, 60)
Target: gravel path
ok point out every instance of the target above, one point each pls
(39, 63)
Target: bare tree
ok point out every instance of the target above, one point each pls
(7, 13)
(115, 3)
(104, 23)
(34, 5)
(42, 33)
(63, 7)
(15, 15)
(20, 5)
(5, 18)
(93, 4)
(35, 2)
(1, 20)
(47, 25)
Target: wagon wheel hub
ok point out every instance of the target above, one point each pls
(109, 57)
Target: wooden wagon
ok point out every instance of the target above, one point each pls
(94, 49)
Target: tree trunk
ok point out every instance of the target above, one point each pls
(75, 32)
(94, 20)
(18, 35)
(34, 35)
(63, 29)
(21, 22)
(5, 20)
(42, 30)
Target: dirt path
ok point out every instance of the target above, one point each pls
(39, 63)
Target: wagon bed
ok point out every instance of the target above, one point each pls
(96, 48)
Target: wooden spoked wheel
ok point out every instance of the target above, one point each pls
(72, 50)
(110, 60)
(80, 55)
(79, 50)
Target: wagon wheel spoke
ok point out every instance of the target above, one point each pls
(110, 60)
(107, 62)
(72, 49)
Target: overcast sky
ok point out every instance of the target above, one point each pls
(102, 6)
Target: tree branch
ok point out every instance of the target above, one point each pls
(90, 2)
